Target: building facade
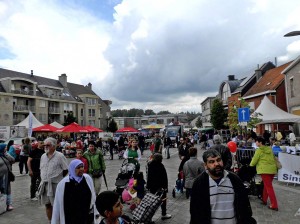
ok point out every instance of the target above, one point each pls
(49, 100)
(206, 106)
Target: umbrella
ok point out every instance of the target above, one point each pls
(92, 129)
(45, 128)
(127, 129)
(73, 127)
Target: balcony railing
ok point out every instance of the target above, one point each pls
(24, 108)
(55, 110)
(24, 92)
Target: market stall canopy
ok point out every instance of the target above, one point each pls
(25, 122)
(73, 127)
(45, 128)
(127, 129)
(273, 114)
(154, 126)
(92, 129)
(56, 124)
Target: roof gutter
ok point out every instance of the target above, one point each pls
(259, 94)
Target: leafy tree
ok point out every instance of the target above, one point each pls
(233, 121)
(199, 122)
(112, 126)
(149, 112)
(70, 118)
(163, 112)
(218, 114)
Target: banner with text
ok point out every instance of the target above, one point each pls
(290, 171)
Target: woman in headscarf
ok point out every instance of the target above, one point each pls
(75, 197)
(5, 165)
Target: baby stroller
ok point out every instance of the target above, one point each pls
(125, 173)
(120, 154)
(248, 173)
(179, 185)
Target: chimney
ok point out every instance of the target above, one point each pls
(89, 86)
(258, 74)
(31, 73)
(63, 79)
(231, 77)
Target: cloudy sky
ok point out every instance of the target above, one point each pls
(148, 54)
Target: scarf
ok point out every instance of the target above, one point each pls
(72, 167)
(2, 149)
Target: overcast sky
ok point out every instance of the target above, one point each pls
(148, 54)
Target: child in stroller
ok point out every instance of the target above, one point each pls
(179, 184)
(125, 173)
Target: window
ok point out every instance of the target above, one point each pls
(292, 87)
(42, 118)
(92, 122)
(81, 112)
(92, 113)
(91, 101)
(68, 107)
(42, 103)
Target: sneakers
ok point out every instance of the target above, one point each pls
(166, 216)
(9, 208)
(34, 199)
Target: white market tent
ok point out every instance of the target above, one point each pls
(56, 124)
(273, 114)
(25, 122)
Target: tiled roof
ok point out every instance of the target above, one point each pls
(270, 81)
(73, 89)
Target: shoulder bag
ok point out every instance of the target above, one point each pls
(278, 163)
(11, 176)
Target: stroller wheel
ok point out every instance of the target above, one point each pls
(173, 193)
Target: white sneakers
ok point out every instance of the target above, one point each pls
(34, 199)
(166, 216)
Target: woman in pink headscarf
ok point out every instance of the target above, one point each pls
(75, 197)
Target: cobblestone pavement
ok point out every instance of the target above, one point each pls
(27, 211)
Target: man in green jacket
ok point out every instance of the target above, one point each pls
(96, 165)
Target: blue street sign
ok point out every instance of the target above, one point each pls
(244, 114)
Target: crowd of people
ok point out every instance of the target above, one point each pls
(205, 180)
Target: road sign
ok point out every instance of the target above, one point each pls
(244, 114)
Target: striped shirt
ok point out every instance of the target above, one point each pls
(222, 201)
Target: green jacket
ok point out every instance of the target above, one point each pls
(95, 160)
(264, 160)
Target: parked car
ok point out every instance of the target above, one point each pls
(18, 143)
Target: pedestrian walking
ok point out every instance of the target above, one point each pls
(219, 196)
(75, 197)
(54, 167)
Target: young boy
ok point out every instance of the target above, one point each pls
(110, 207)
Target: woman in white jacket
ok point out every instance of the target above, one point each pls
(75, 197)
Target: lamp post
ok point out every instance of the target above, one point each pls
(293, 33)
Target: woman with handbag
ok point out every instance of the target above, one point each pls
(133, 154)
(265, 163)
(6, 175)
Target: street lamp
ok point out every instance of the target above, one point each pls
(293, 33)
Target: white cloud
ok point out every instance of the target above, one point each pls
(162, 55)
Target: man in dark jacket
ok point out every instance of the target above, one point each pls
(218, 185)
(183, 152)
(158, 180)
(223, 150)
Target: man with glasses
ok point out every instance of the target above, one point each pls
(219, 196)
(53, 168)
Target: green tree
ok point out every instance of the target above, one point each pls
(163, 112)
(112, 126)
(149, 112)
(218, 114)
(199, 122)
(70, 118)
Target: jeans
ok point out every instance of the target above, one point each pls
(168, 151)
(23, 161)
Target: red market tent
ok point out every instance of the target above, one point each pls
(92, 129)
(74, 127)
(45, 128)
(127, 129)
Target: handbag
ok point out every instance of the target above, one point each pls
(11, 176)
(278, 163)
(97, 173)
